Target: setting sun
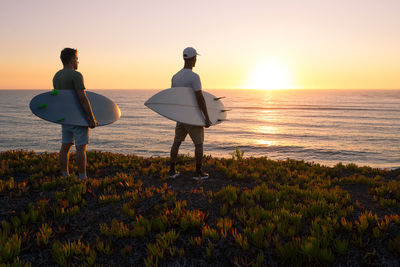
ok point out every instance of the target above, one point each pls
(270, 75)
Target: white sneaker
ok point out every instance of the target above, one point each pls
(200, 176)
(173, 174)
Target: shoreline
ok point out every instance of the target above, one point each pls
(394, 168)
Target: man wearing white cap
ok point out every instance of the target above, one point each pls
(187, 78)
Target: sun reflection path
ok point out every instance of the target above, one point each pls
(265, 129)
(262, 130)
(265, 142)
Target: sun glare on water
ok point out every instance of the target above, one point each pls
(270, 76)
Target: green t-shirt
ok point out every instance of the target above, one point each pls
(67, 79)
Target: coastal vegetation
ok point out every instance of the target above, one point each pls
(253, 211)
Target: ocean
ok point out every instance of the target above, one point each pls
(321, 126)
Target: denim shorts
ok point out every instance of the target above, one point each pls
(79, 134)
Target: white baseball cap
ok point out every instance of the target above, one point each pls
(189, 52)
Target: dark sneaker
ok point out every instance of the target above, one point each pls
(200, 176)
(173, 174)
(82, 176)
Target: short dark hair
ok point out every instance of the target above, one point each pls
(67, 54)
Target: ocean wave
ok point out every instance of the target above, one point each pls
(313, 108)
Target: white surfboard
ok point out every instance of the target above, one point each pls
(180, 104)
(63, 107)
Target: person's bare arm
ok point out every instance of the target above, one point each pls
(87, 108)
(203, 107)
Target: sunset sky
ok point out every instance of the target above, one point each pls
(342, 44)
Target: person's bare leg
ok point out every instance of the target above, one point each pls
(81, 160)
(64, 158)
(174, 155)
(198, 154)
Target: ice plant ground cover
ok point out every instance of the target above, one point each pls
(251, 212)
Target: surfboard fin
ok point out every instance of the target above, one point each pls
(43, 106)
(54, 92)
(61, 119)
(225, 110)
(218, 98)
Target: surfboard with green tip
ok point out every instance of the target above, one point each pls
(63, 107)
(54, 92)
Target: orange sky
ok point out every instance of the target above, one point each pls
(243, 44)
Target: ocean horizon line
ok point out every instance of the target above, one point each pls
(230, 89)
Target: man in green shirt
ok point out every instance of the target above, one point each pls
(70, 79)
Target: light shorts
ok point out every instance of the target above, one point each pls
(196, 133)
(79, 134)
